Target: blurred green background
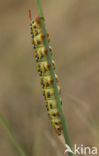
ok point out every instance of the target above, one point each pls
(74, 30)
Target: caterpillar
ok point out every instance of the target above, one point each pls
(43, 68)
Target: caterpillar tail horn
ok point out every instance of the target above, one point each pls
(30, 15)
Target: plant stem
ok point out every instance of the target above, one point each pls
(10, 134)
(65, 132)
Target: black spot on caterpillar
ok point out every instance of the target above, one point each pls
(43, 68)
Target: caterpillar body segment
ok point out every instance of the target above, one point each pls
(56, 121)
(49, 93)
(51, 104)
(40, 54)
(38, 40)
(47, 81)
(43, 68)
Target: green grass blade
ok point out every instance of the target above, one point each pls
(10, 134)
(65, 132)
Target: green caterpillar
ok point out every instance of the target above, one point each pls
(43, 68)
